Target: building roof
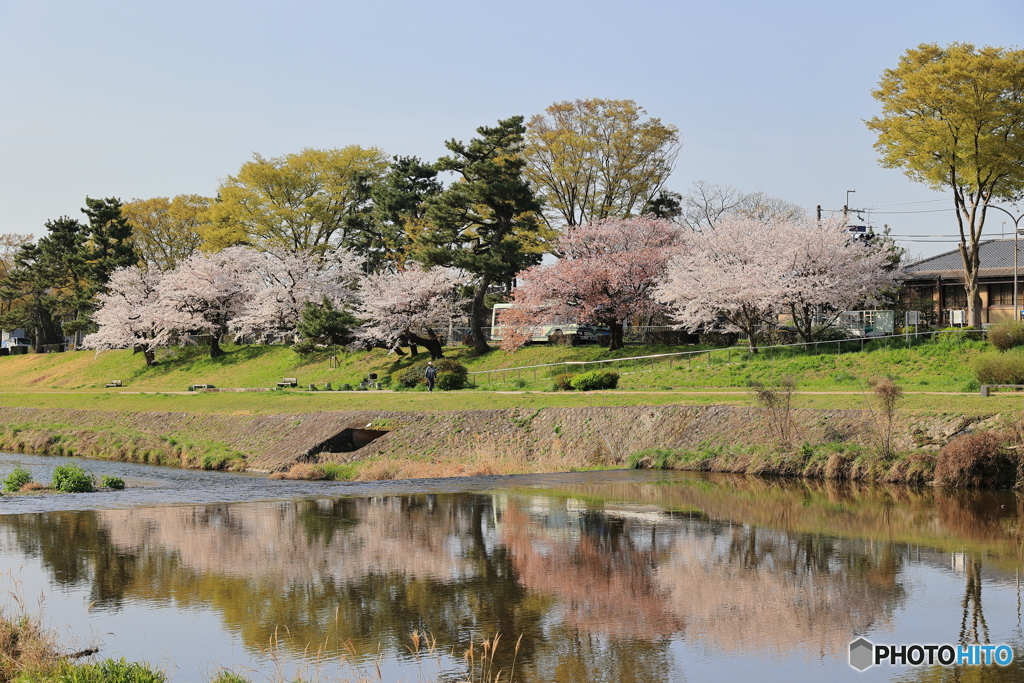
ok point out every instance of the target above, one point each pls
(995, 260)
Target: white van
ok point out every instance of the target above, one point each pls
(577, 334)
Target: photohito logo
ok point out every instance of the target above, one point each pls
(864, 653)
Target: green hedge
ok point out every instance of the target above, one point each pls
(595, 380)
(1000, 368)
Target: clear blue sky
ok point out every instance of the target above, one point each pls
(155, 98)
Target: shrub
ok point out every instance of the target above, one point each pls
(955, 337)
(1000, 368)
(777, 337)
(1007, 335)
(719, 338)
(16, 479)
(672, 337)
(345, 387)
(594, 380)
(563, 381)
(413, 375)
(72, 479)
(976, 459)
(116, 483)
(450, 381)
(830, 333)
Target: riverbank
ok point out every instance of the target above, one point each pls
(380, 444)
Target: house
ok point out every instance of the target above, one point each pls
(935, 285)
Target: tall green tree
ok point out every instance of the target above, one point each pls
(487, 222)
(598, 158)
(399, 208)
(953, 119)
(55, 281)
(308, 201)
(167, 231)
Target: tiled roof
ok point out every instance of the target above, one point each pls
(995, 256)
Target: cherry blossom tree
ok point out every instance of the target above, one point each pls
(748, 271)
(128, 315)
(824, 270)
(410, 306)
(606, 276)
(726, 271)
(207, 291)
(281, 282)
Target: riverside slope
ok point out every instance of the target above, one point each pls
(548, 439)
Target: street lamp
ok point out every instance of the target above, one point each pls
(1016, 230)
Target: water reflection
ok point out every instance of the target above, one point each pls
(601, 580)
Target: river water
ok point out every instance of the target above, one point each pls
(631, 576)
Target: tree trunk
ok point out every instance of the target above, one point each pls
(148, 353)
(479, 313)
(974, 303)
(215, 350)
(431, 343)
(615, 343)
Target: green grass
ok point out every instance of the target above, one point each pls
(721, 376)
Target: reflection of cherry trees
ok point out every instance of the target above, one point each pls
(602, 578)
(598, 590)
(748, 589)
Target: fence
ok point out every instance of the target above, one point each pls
(703, 356)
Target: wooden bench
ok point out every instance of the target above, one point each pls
(195, 387)
(288, 382)
(987, 388)
(115, 384)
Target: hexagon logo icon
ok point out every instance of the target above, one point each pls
(862, 654)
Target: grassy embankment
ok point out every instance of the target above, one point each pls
(936, 376)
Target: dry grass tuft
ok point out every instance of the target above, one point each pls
(32, 486)
(25, 645)
(974, 460)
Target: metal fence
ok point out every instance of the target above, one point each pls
(706, 356)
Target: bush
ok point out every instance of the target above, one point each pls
(345, 387)
(594, 380)
(722, 339)
(1000, 368)
(450, 381)
(976, 459)
(672, 337)
(1006, 335)
(72, 479)
(563, 381)
(412, 376)
(955, 337)
(777, 337)
(16, 479)
(116, 483)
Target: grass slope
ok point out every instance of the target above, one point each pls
(720, 376)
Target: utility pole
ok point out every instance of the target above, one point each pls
(819, 213)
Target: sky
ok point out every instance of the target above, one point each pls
(156, 98)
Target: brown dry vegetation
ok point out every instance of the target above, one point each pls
(830, 444)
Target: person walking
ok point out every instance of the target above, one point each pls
(431, 375)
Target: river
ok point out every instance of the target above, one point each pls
(624, 576)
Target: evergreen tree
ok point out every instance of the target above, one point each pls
(486, 223)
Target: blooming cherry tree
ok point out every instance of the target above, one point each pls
(824, 270)
(606, 275)
(280, 282)
(408, 307)
(727, 271)
(748, 271)
(207, 291)
(128, 316)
